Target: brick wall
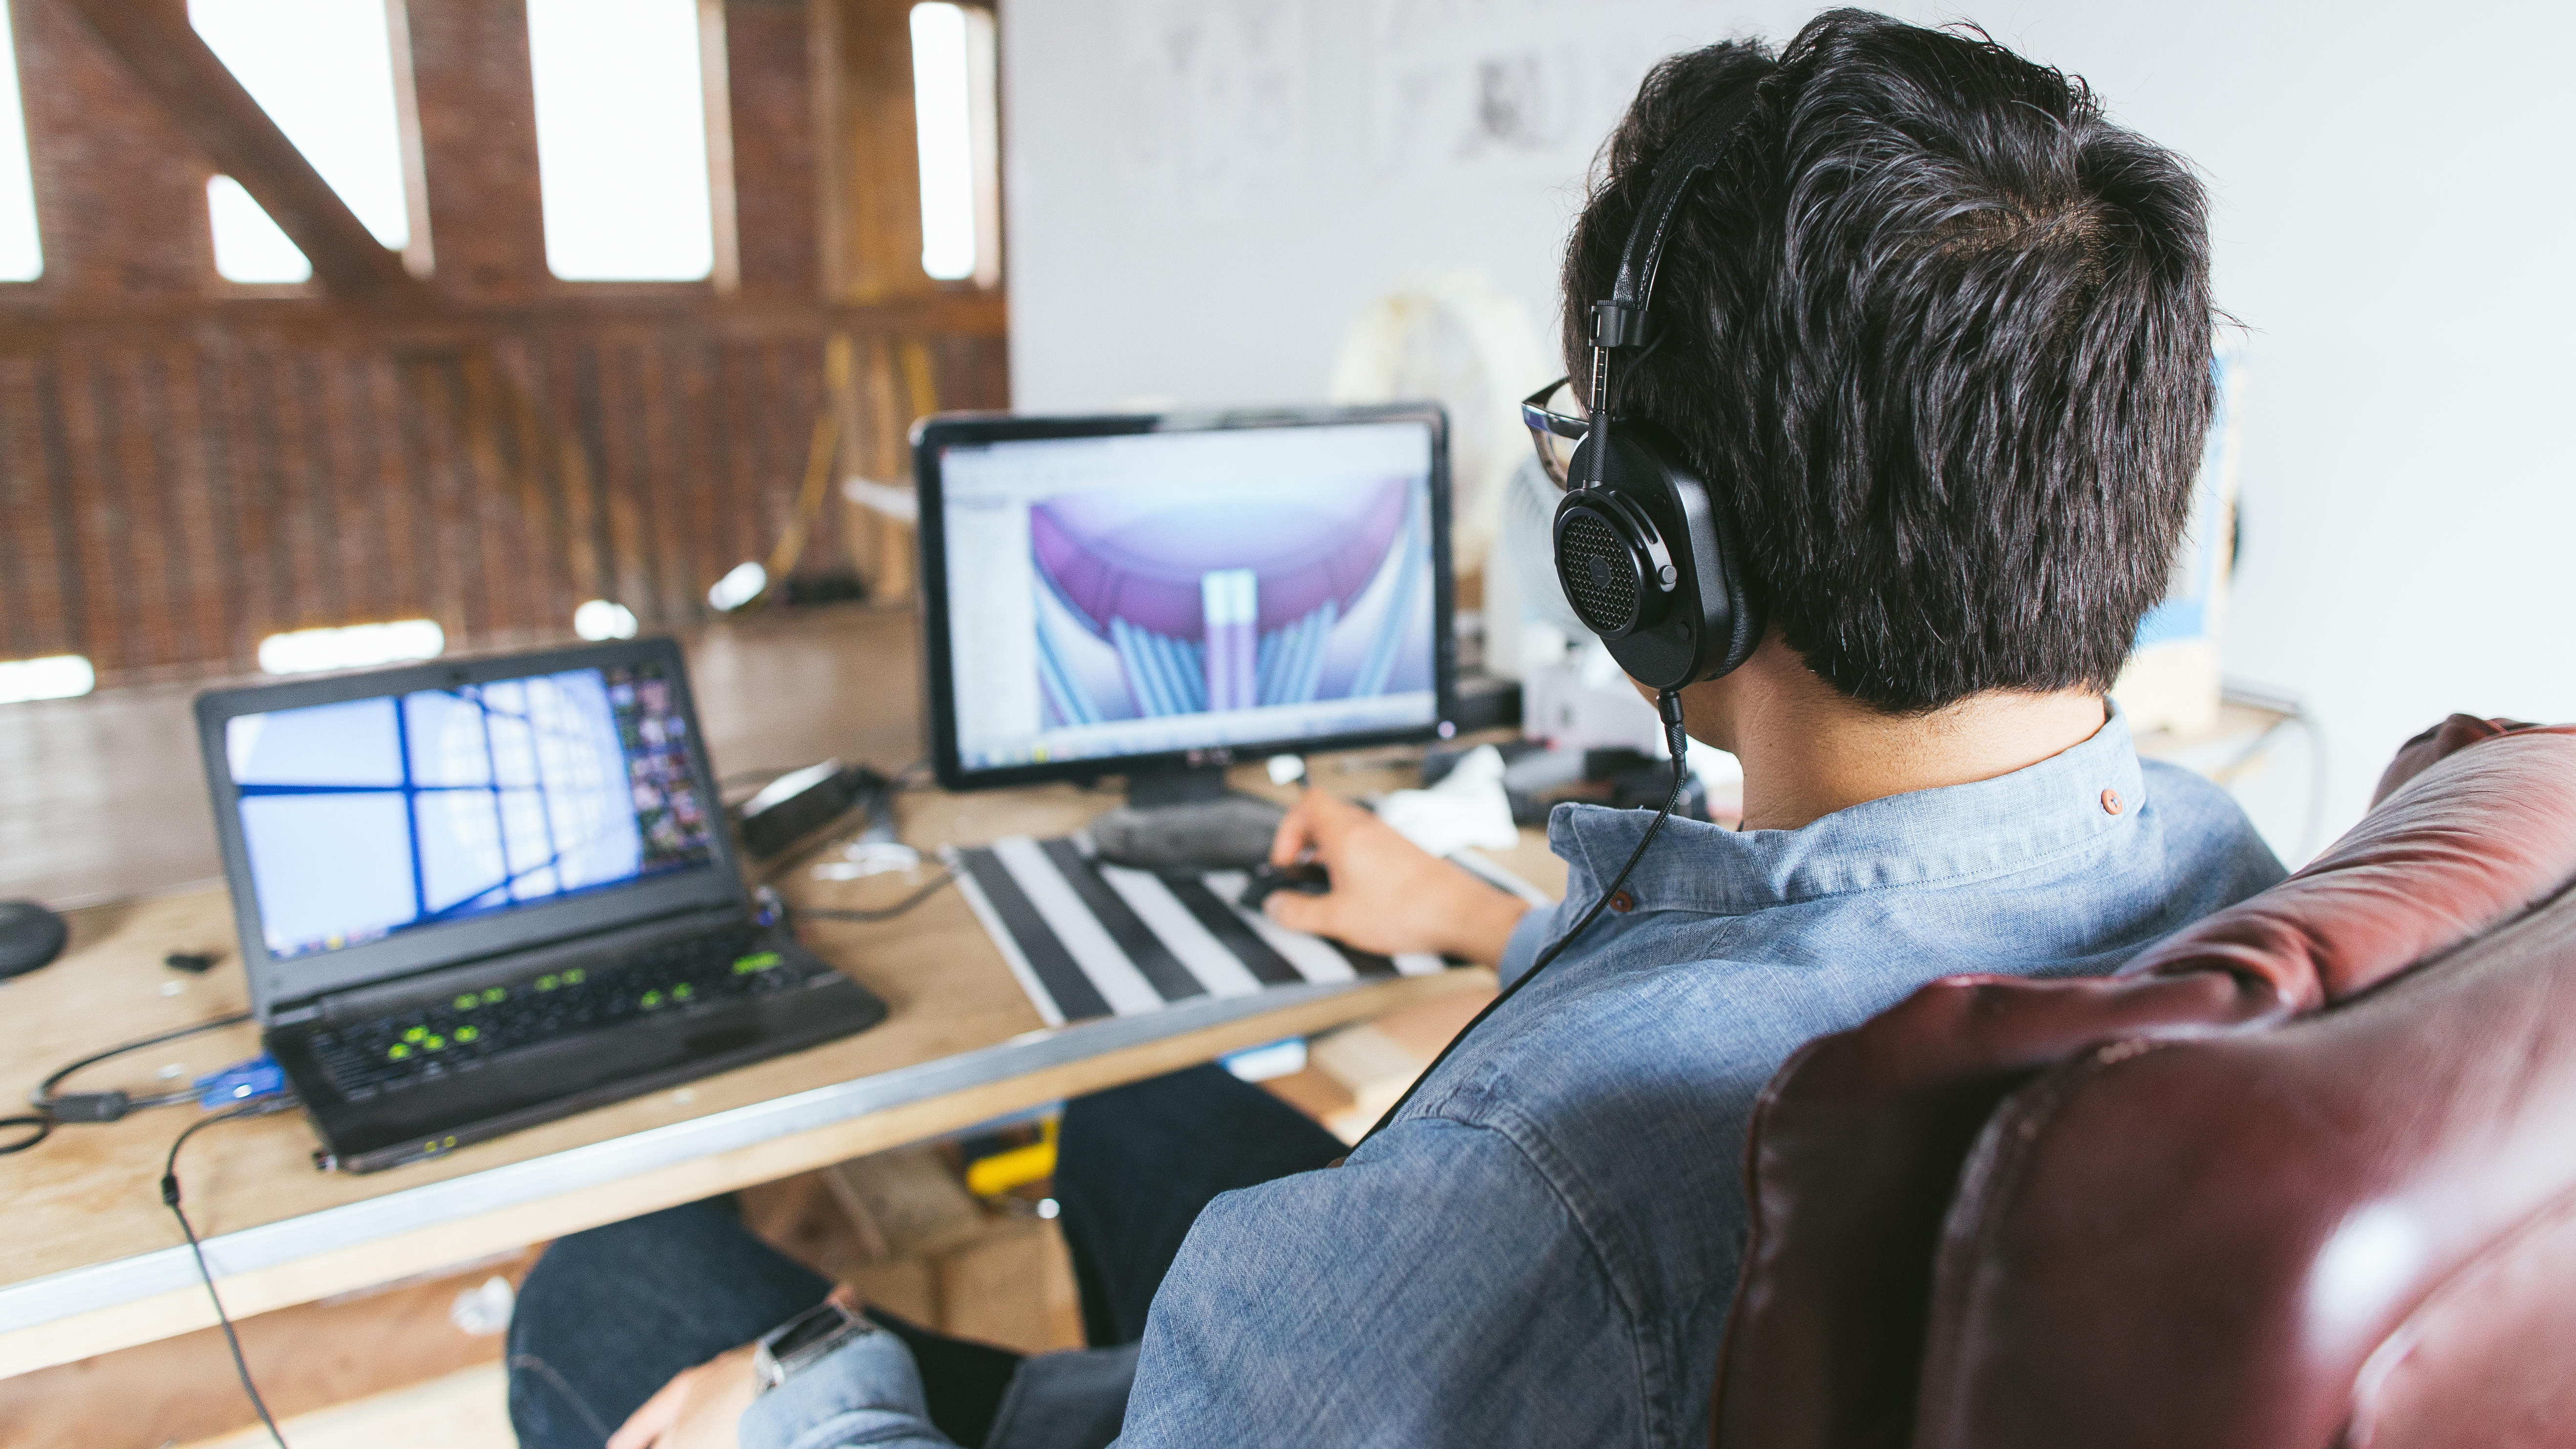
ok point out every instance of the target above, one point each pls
(187, 466)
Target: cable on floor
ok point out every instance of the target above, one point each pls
(170, 1198)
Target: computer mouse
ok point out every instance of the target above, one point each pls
(30, 936)
(1305, 878)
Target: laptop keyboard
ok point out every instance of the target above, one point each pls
(365, 1058)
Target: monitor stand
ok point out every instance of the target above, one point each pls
(1186, 819)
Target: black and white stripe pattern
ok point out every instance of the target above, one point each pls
(1088, 939)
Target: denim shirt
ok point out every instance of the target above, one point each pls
(1541, 1249)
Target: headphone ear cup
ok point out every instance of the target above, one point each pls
(1612, 563)
(1647, 563)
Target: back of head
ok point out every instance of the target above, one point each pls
(1938, 336)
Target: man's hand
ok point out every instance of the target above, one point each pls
(1388, 894)
(698, 1409)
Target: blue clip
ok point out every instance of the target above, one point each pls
(241, 1082)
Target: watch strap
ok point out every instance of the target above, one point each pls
(801, 1341)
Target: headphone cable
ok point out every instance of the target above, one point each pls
(1668, 705)
(170, 1197)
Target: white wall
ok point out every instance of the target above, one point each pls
(1202, 195)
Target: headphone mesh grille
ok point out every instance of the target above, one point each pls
(1600, 573)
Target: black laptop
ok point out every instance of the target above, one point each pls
(477, 896)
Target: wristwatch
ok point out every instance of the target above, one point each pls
(787, 1349)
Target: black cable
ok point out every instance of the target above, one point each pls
(89, 1107)
(170, 1197)
(1668, 704)
(37, 1126)
(44, 1094)
(882, 913)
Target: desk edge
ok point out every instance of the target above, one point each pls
(36, 1302)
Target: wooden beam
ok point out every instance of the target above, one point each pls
(870, 164)
(171, 64)
(32, 326)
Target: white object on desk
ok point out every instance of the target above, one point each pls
(1466, 808)
(898, 503)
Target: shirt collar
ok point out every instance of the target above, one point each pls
(1956, 832)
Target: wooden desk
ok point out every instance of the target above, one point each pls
(92, 1261)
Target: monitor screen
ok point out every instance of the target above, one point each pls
(1160, 592)
(369, 818)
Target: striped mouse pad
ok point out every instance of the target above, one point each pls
(1089, 939)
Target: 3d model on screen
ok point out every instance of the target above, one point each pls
(1162, 601)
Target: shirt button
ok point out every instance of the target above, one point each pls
(2111, 802)
(1623, 902)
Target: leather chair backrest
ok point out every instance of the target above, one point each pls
(1857, 1147)
(2243, 1241)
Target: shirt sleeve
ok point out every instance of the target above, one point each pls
(1537, 926)
(1390, 1301)
(865, 1392)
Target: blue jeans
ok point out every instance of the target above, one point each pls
(609, 1315)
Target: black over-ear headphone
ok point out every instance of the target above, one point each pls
(1645, 559)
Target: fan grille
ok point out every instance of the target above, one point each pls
(1600, 573)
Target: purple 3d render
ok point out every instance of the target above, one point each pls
(1162, 601)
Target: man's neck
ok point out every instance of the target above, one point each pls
(1808, 751)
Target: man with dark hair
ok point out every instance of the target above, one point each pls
(1938, 336)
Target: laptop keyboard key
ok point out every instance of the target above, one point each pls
(471, 1029)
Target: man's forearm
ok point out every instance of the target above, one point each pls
(1484, 927)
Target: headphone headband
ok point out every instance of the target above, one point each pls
(1621, 320)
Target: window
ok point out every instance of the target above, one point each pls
(604, 619)
(248, 246)
(622, 142)
(56, 676)
(954, 116)
(324, 71)
(352, 646)
(22, 251)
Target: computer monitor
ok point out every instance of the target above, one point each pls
(1142, 596)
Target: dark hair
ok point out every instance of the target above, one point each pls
(1938, 336)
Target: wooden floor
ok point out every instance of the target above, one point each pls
(105, 797)
(393, 1367)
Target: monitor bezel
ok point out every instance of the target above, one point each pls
(276, 982)
(933, 435)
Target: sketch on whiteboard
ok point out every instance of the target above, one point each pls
(1213, 102)
(1478, 110)
(1501, 87)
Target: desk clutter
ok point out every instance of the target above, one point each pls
(1089, 939)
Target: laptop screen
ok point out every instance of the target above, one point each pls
(371, 818)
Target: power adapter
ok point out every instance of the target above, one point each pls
(798, 803)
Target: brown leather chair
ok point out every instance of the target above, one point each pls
(2303, 1175)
